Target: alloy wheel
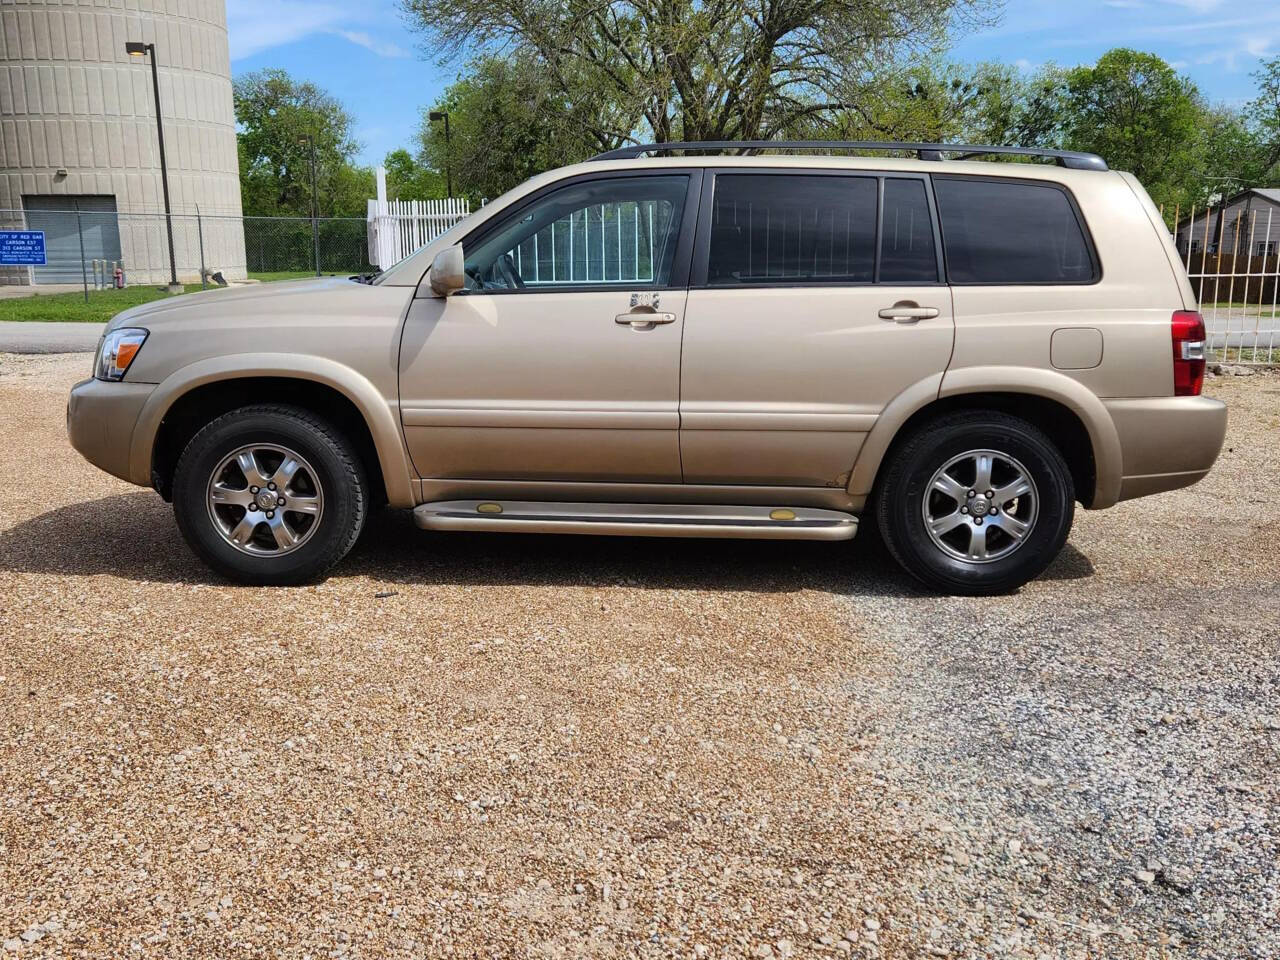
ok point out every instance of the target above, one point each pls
(265, 499)
(980, 506)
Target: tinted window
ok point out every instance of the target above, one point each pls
(620, 231)
(907, 253)
(770, 228)
(1000, 232)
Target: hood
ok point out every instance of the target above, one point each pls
(220, 298)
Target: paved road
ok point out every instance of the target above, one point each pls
(38, 337)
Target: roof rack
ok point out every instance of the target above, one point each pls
(924, 151)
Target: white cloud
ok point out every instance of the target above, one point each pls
(257, 25)
(360, 38)
(1197, 6)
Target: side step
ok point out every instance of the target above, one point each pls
(638, 519)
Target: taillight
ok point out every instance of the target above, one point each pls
(1188, 353)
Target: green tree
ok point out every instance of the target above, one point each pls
(699, 69)
(273, 111)
(1262, 115)
(1139, 114)
(409, 179)
(947, 102)
(506, 124)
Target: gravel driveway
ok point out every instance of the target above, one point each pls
(478, 745)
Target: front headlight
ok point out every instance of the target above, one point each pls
(116, 352)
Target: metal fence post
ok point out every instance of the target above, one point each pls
(200, 235)
(84, 272)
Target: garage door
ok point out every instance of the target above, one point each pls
(56, 216)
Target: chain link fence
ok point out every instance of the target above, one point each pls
(91, 247)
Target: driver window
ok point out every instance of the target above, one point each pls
(588, 234)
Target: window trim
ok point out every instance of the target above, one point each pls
(1090, 247)
(702, 250)
(679, 278)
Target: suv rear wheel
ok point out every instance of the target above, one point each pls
(270, 495)
(976, 502)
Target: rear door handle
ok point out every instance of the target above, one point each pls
(908, 311)
(644, 318)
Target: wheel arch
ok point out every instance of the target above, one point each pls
(194, 395)
(1069, 413)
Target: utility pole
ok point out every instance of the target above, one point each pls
(138, 50)
(309, 141)
(433, 116)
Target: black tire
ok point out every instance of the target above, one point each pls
(900, 504)
(339, 473)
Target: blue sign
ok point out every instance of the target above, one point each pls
(21, 247)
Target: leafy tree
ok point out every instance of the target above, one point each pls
(983, 103)
(697, 69)
(1138, 113)
(273, 111)
(505, 125)
(408, 179)
(1262, 114)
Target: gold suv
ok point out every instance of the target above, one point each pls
(675, 341)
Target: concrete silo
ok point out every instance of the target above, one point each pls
(78, 132)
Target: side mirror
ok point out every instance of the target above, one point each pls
(446, 275)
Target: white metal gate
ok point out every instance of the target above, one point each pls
(1232, 256)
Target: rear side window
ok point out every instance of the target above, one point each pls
(1002, 232)
(770, 228)
(907, 253)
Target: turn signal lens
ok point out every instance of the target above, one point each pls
(1188, 353)
(117, 351)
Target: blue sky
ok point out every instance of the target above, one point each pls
(363, 53)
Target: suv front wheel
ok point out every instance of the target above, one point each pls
(270, 495)
(976, 502)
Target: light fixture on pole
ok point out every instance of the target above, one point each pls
(307, 140)
(141, 50)
(433, 116)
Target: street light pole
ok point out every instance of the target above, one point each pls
(310, 141)
(139, 50)
(448, 164)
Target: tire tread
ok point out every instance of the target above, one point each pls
(930, 433)
(352, 475)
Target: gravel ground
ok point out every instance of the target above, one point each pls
(501, 746)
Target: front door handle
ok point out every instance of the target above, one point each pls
(644, 317)
(908, 311)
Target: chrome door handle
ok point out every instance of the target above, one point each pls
(644, 318)
(908, 311)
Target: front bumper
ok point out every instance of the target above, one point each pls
(1166, 442)
(100, 419)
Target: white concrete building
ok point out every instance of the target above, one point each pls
(78, 130)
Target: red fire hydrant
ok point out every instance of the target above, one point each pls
(119, 278)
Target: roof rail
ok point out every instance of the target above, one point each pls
(924, 151)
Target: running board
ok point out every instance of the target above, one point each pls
(638, 519)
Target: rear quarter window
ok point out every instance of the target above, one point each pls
(1012, 232)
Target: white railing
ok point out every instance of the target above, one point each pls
(1232, 256)
(399, 227)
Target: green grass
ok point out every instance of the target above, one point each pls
(71, 308)
(270, 275)
(1264, 310)
(1246, 355)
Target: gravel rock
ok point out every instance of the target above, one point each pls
(603, 715)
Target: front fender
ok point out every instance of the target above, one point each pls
(1006, 380)
(380, 415)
